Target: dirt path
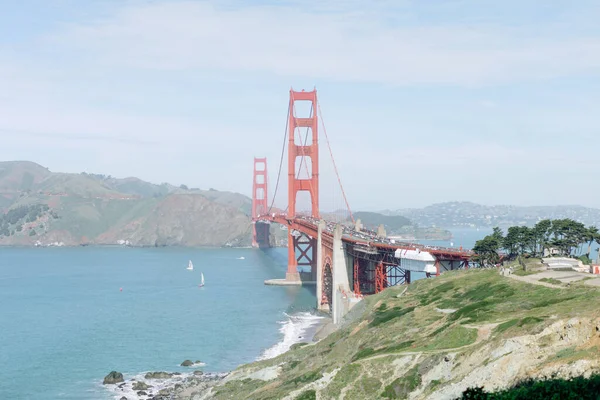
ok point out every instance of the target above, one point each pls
(532, 279)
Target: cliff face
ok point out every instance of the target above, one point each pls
(42, 207)
(433, 340)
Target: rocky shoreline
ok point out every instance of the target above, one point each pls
(161, 385)
(193, 385)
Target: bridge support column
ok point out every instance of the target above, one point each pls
(319, 267)
(292, 274)
(302, 251)
(341, 284)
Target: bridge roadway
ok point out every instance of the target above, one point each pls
(364, 238)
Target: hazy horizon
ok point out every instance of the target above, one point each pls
(324, 210)
(493, 103)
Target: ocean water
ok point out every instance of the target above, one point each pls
(68, 316)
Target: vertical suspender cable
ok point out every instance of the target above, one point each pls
(334, 166)
(287, 119)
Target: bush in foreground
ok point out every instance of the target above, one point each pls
(579, 388)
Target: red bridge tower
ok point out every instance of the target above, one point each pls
(260, 231)
(306, 246)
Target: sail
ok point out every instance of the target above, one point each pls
(201, 278)
(190, 265)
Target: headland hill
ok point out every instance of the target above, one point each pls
(43, 208)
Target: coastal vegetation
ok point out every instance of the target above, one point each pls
(12, 221)
(580, 388)
(563, 237)
(398, 343)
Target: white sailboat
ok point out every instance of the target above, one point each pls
(190, 266)
(201, 280)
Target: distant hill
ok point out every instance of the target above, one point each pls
(399, 226)
(467, 214)
(392, 223)
(44, 207)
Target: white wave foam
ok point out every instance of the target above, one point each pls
(294, 330)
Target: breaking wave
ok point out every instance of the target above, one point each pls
(296, 328)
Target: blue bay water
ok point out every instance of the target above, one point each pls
(65, 323)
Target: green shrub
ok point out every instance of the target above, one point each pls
(307, 377)
(381, 317)
(401, 387)
(308, 395)
(576, 388)
(363, 353)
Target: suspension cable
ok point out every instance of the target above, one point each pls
(287, 120)
(334, 166)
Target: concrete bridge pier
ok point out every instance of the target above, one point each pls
(343, 297)
(319, 268)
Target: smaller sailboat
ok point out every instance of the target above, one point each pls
(190, 266)
(201, 280)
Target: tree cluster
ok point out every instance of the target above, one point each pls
(565, 237)
(18, 215)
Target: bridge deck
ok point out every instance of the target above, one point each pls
(365, 237)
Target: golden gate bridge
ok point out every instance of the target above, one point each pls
(344, 260)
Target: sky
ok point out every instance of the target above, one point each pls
(422, 101)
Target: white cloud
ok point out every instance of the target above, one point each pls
(345, 46)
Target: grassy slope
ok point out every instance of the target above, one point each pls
(92, 217)
(20, 175)
(392, 343)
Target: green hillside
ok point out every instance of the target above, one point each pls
(437, 336)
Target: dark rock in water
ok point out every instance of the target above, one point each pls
(198, 362)
(142, 393)
(162, 397)
(198, 373)
(140, 386)
(158, 375)
(187, 363)
(176, 373)
(113, 377)
(123, 398)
